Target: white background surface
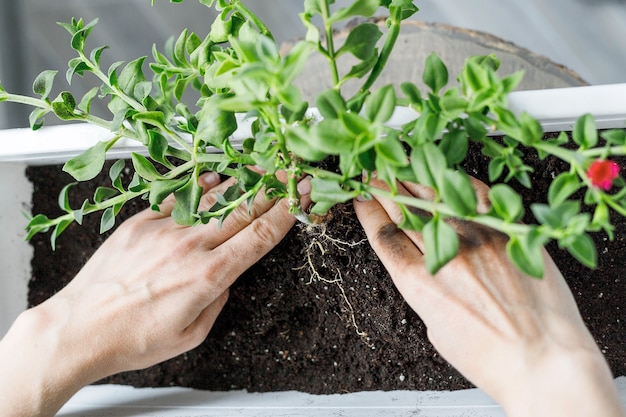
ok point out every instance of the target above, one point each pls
(585, 35)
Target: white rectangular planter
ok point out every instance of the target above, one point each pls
(556, 109)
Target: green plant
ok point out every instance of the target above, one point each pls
(237, 69)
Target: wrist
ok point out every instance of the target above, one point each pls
(43, 369)
(574, 383)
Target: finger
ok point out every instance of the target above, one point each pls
(394, 248)
(223, 267)
(197, 331)
(255, 240)
(244, 214)
(482, 195)
(402, 259)
(393, 210)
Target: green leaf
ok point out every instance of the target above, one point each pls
(104, 193)
(313, 6)
(37, 224)
(80, 213)
(441, 244)
(391, 150)
(64, 199)
(525, 252)
(144, 167)
(221, 28)
(160, 189)
(602, 220)
(43, 83)
(332, 136)
(531, 130)
(300, 141)
(131, 75)
(615, 136)
(364, 8)
(563, 186)
(473, 77)
(330, 190)
(312, 31)
(64, 105)
(81, 33)
(215, 124)
(458, 193)
(187, 200)
(85, 102)
(115, 173)
(76, 66)
(454, 145)
(556, 217)
(452, 105)
(435, 73)
(154, 118)
(96, 54)
(59, 228)
(413, 93)
(510, 82)
(411, 221)
(137, 184)
(330, 104)
(107, 221)
(361, 41)
(157, 147)
(475, 128)
(36, 118)
(380, 105)
(429, 127)
(360, 70)
(506, 203)
(88, 164)
(584, 250)
(112, 73)
(585, 132)
(142, 90)
(496, 167)
(428, 164)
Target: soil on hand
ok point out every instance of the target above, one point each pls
(319, 314)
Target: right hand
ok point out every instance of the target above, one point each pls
(520, 339)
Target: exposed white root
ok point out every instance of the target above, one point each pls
(319, 242)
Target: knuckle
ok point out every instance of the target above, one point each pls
(266, 233)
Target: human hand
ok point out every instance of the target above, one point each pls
(152, 291)
(520, 339)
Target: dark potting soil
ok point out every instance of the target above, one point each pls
(319, 314)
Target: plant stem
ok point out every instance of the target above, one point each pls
(330, 43)
(29, 101)
(95, 69)
(385, 53)
(426, 205)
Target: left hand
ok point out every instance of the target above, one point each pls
(152, 291)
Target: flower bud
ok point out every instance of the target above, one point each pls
(602, 173)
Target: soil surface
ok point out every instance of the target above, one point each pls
(319, 314)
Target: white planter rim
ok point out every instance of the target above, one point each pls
(556, 109)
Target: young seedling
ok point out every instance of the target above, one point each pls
(237, 70)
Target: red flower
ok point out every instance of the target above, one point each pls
(602, 173)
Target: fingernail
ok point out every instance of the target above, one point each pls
(304, 186)
(360, 198)
(209, 179)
